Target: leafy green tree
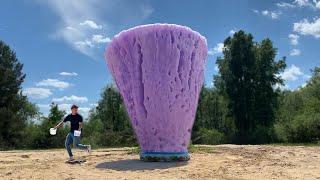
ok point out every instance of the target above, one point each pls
(248, 72)
(298, 115)
(112, 116)
(41, 136)
(212, 116)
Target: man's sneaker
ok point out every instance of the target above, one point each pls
(89, 149)
(71, 159)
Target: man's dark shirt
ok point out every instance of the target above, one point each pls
(74, 121)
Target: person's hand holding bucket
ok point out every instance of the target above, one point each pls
(53, 131)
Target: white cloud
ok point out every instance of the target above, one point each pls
(271, 14)
(87, 45)
(305, 27)
(44, 106)
(255, 11)
(72, 13)
(77, 39)
(217, 49)
(72, 99)
(37, 93)
(281, 87)
(285, 5)
(303, 3)
(295, 52)
(231, 32)
(313, 4)
(91, 24)
(84, 44)
(98, 38)
(78, 20)
(317, 3)
(54, 83)
(293, 39)
(304, 85)
(292, 73)
(265, 12)
(68, 74)
(94, 104)
(216, 68)
(84, 111)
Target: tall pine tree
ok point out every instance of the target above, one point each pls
(12, 101)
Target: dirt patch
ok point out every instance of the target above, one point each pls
(207, 162)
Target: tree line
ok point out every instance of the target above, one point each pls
(244, 106)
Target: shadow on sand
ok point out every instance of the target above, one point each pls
(137, 165)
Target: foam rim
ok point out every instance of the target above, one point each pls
(162, 25)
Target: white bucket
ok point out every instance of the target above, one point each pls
(53, 131)
(76, 133)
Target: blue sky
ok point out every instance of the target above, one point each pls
(61, 43)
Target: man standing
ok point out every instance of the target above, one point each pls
(76, 124)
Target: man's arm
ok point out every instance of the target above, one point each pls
(60, 124)
(80, 123)
(80, 126)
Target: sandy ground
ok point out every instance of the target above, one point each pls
(207, 162)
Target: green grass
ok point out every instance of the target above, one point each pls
(134, 150)
(201, 149)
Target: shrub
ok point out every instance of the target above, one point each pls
(208, 136)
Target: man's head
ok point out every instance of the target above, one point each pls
(74, 109)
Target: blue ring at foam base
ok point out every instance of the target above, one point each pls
(164, 156)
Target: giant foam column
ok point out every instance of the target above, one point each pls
(159, 71)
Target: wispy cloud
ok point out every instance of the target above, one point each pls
(71, 99)
(78, 20)
(305, 27)
(68, 74)
(267, 13)
(146, 10)
(37, 93)
(305, 3)
(293, 39)
(313, 4)
(84, 26)
(217, 49)
(53, 83)
(255, 11)
(285, 5)
(98, 38)
(91, 24)
(80, 38)
(271, 14)
(295, 52)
